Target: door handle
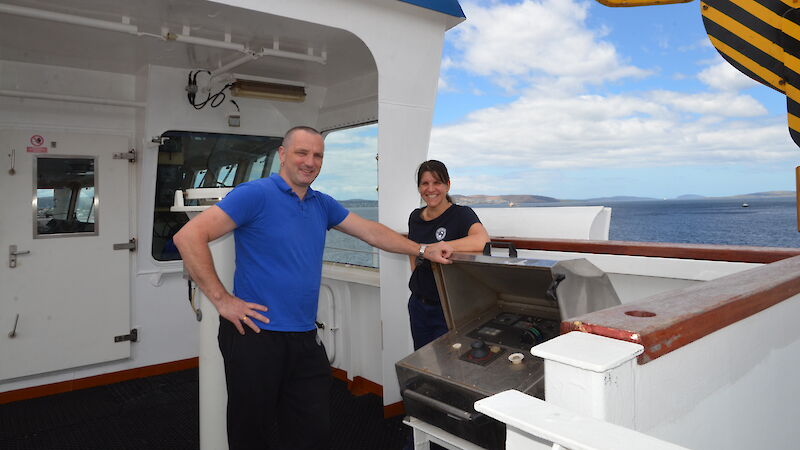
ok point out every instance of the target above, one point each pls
(13, 253)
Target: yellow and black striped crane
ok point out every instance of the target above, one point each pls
(761, 38)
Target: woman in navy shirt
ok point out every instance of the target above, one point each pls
(439, 220)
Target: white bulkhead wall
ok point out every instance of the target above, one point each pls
(735, 388)
(50, 116)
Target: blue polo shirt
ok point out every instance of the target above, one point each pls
(279, 243)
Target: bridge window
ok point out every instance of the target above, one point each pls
(195, 160)
(350, 175)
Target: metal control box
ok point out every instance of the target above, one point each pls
(495, 307)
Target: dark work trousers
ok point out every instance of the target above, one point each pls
(427, 320)
(275, 376)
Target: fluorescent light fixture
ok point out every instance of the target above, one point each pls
(268, 91)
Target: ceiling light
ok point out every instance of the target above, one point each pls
(268, 91)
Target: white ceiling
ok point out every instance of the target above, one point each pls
(47, 42)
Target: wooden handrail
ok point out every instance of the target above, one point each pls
(667, 321)
(732, 253)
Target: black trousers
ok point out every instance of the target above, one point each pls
(427, 321)
(275, 376)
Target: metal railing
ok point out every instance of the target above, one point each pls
(367, 258)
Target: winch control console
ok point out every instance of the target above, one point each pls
(516, 330)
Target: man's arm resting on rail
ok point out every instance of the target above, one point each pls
(383, 237)
(192, 242)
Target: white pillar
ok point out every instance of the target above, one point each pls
(403, 137)
(213, 391)
(213, 400)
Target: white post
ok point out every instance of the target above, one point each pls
(402, 145)
(213, 391)
(591, 375)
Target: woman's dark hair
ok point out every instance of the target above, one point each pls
(438, 170)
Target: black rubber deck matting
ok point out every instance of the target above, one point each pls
(161, 412)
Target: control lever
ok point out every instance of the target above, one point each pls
(479, 350)
(198, 313)
(551, 290)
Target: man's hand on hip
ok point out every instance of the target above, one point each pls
(238, 312)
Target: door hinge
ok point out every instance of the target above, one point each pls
(133, 336)
(130, 245)
(130, 156)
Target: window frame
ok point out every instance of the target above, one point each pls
(159, 223)
(73, 199)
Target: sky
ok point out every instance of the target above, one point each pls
(572, 99)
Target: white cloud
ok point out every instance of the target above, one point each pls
(723, 76)
(534, 39)
(563, 116)
(714, 103)
(349, 169)
(540, 131)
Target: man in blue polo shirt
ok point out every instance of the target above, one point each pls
(275, 367)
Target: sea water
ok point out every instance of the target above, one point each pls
(765, 222)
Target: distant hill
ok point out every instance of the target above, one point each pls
(520, 199)
(358, 203)
(768, 194)
(617, 198)
(500, 199)
(690, 197)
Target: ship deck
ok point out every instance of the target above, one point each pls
(162, 412)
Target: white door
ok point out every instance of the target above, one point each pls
(64, 208)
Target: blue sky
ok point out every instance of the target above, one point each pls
(572, 99)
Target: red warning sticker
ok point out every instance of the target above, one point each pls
(37, 140)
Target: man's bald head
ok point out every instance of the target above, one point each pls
(287, 138)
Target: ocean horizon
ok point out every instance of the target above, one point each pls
(764, 222)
